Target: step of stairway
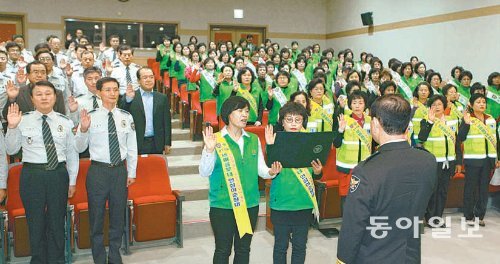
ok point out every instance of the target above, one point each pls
(182, 165)
(192, 186)
(180, 134)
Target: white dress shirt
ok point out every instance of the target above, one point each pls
(120, 73)
(207, 162)
(28, 135)
(96, 138)
(85, 101)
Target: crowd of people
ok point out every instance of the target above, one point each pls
(61, 103)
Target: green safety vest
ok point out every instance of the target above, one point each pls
(474, 144)
(205, 89)
(225, 89)
(493, 102)
(247, 167)
(347, 154)
(436, 144)
(274, 111)
(288, 194)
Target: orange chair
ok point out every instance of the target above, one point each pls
(174, 96)
(17, 224)
(80, 208)
(166, 81)
(158, 78)
(265, 118)
(195, 120)
(150, 62)
(184, 106)
(155, 209)
(210, 114)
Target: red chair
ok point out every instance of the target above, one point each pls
(195, 119)
(150, 62)
(265, 118)
(155, 209)
(166, 80)
(17, 224)
(210, 114)
(184, 106)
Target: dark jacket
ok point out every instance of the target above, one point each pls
(386, 185)
(161, 119)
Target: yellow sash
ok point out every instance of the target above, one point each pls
(306, 180)
(446, 130)
(485, 131)
(423, 108)
(234, 188)
(454, 110)
(248, 96)
(317, 110)
(360, 133)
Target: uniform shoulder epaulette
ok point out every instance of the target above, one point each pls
(372, 156)
(135, 65)
(123, 111)
(92, 111)
(63, 116)
(80, 95)
(421, 148)
(28, 113)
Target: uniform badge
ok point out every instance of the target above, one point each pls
(354, 183)
(60, 128)
(29, 140)
(218, 145)
(124, 123)
(132, 125)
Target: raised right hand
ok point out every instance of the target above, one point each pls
(14, 116)
(84, 121)
(467, 118)
(73, 104)
(431, 116)
(68, 37)
(130, 93)
(270, 135)
(102, 46)
(109, 67)
(209, 139)
(342, 123)
(12, 90)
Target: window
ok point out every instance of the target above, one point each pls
(135, 34)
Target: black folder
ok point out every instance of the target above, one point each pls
(298, 149)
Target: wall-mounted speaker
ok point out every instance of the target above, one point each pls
(367, 18)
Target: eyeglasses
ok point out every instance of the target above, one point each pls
(45, 59)
(297, 120)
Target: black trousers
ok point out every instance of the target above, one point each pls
(149, 147)
(290, 226)
(45, 195)
(225, 232)
(477, 179)
(106, 184)
(437, 201)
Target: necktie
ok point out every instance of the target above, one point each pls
(114, 56)
(94, 102)
(50, 147)
(114, 147)
(129, 78)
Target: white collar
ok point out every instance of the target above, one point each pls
(224, 132)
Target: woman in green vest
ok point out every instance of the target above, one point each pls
(352, 140)
(478, 134)
(298, 77)
(455, 73)
(438, 133)
(464, 94)
(493, 95)
(253, 95)
(224, 86)
(419, 106)
(176, 53)
(321, 107)
(280, 94)
(180, 65)
(454, 109)
(303, 99)
(193, 63)
(163, 55)
(232, 159)
(292, 196)
(407, 75)
(207, 78)
(419, 71)
(434, 79)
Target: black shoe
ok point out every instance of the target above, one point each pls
(481, 223)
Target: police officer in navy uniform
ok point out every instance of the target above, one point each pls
(50, 168)
(109, 133)
(390, 187)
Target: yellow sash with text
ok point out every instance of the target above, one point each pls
(446, 130)
(317, 110)
(360, 133)
(233, 183)
(485, 131)
(306, 180)
(251, 100)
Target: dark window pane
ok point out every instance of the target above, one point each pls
(128, 32)
(93, 30)
(153, 33)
